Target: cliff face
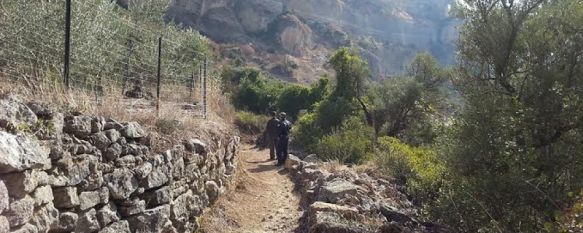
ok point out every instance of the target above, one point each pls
(388, 32)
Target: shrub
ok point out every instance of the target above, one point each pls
(251, 123)
(350, 143)
(306, 132)
(331, 112)
(417, 167)
(293, 99)
(252, 91)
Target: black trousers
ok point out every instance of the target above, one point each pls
(271, 144)
(282, 153)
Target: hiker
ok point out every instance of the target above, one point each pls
(284, 128)
(271, 134)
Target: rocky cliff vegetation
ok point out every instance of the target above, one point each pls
(388, 32)
(68, 172)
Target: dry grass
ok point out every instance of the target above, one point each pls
(187, 123)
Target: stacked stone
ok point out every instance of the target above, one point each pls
(91, 174)
(352, 202)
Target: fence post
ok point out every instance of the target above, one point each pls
(127, 66)
(204, 103)
(67, 60)
(201, 87)
(159, 69)
(192, 82)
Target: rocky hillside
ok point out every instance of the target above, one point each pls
(78, 173)
(291, 38)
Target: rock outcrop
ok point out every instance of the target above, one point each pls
(351, 202)
(91, 174)
(388, 32)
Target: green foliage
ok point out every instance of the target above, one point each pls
(252, 91)
(419, 168)
(306, 132)
(295, 98)
(258, 96)
(251, 123)
(350, 143)
(331, 112)
(514, 153)
(351, 73)
(109, 42)
(404, 106)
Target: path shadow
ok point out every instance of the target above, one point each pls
(257, 162)
(263, 168)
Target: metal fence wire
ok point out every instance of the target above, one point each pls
(98, 45)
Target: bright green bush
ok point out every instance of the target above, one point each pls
(332, 112)
(350, 143)
(295, 98)
(306, 132)
(418, 167)
(253, 91)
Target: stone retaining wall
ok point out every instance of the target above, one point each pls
(90, 174)
(343, 200)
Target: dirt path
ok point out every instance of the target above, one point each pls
(262, 200)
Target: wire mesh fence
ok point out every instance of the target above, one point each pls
(113, 51)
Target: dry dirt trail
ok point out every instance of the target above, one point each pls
(262, 199)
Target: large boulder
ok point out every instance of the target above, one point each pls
(21, 153)
(76, 169)
(107, 214)
(133, 130)
(158, 197)
(121, 183)
(395, 215)
(186, 204)
(312, 159)
(67, 222)
(100, 140)
(45, 218)
(87, 222)
(132, 207)
(13, 113)
(20, 183)
(331, 218)
(292, 162)
(212, 190)
(89, 199)
(20, 211)
(80, 126)
(66, 197)
(43, 195)
(158, 177)
(347, 212)
(152, 220)
(255, 15)
(26, 228)
(291, 34)
(117, 227)
(4, 204)
(4, 225)
(335, 190)
(196, 146)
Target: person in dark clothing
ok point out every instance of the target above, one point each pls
(271, 134)
(284, 127)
